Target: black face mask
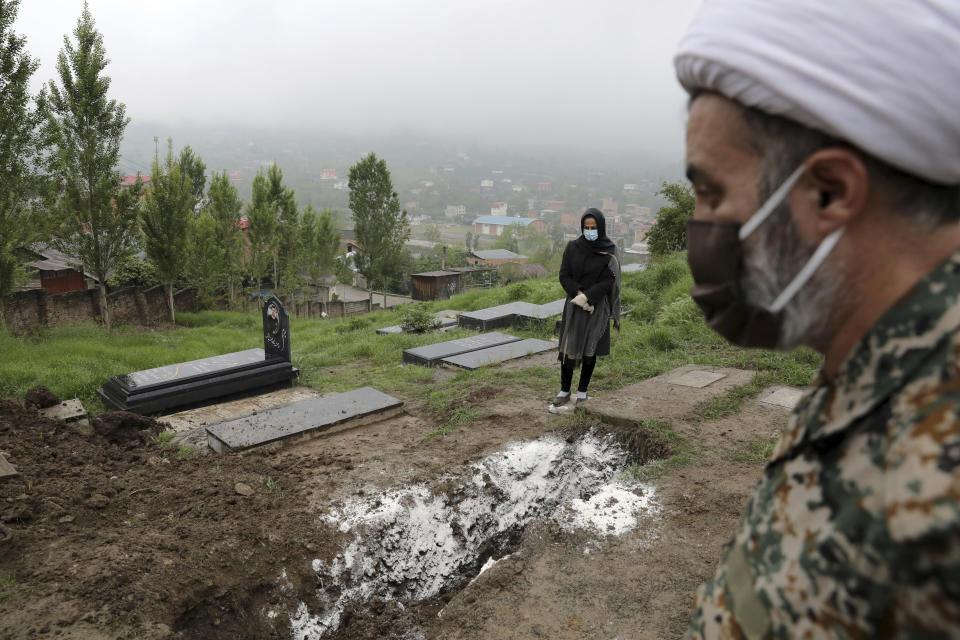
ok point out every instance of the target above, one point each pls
(715, 256)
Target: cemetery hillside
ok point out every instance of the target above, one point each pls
(120, 525)
(295, 374)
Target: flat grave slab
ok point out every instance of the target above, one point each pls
(551, 309)
(431, 355)
(186, 383)
(659, 398)
(786, 397)
(500, 353)
(496, 317)
(301, 420)
(697, 378)
(445, 323)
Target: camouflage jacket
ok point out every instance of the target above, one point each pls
(854, 529)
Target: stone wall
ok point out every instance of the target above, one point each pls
(30, 310)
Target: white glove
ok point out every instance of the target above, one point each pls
(588, 308)
(580, 299)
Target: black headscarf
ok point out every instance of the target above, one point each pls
(602, 244)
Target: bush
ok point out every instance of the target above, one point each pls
(417, 318)
(518, 291)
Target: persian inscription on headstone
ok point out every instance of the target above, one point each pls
(697, 379)
(193, 368)
(276, 330)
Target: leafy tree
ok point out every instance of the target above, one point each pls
(469, 241)
(432, 233)
(264, 222)
(167, 213)
(224, 206)
(207, 257)
(133, 272)
(321, 243)
(192, 167)
(380, 225)
(509, 239)
(274, 222)
(669, 232)
(21, 219)
(97, 218)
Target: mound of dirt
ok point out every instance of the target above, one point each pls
(111, 536)
(40, 398)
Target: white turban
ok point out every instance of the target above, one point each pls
(883, 75)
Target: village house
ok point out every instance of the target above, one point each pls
(494, 257)
(494, 225)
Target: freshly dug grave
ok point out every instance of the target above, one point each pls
(112, 536)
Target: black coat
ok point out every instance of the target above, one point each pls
(586, 271)
(589, 272)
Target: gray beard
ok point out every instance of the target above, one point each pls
(775, 255)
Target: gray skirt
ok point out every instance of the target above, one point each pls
(584, 334)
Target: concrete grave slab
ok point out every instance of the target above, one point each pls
(301, 420)
(501, 353)
(6, 469)
(497, 317)
(68, 411)
(697, 378)
(786, 397)
(445, 323)
(659, 399)
(430, 355)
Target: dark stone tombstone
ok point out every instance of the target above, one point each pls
(198, 382)
(276, 330)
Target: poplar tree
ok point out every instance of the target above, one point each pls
(321, 243)
(380, 225)
(167, 212)
(97, 219)
(263, 222)
(21, 219)
(224, 206)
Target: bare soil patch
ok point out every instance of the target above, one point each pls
(110, 536)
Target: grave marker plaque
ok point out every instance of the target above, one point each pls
(196, 382)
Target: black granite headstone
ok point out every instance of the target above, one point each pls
(196, 382)
(276, 330)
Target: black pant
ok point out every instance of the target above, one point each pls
(566, 374)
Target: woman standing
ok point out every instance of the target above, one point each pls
(590, 274)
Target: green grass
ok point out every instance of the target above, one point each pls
(664, 330)
(752, 453)
(666, 450)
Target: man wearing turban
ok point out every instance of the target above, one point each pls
(823, 145)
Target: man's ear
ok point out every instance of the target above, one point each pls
(834, 190)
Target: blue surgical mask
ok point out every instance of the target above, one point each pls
(591, 234)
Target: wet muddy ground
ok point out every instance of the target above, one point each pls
(374, 532)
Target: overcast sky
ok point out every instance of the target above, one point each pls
(573, 74)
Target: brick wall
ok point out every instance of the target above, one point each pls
(28, 310)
